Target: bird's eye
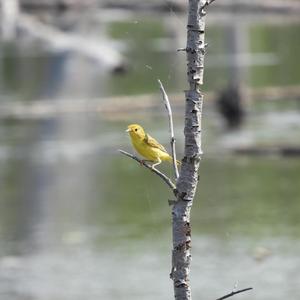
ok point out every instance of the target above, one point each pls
(135, 129)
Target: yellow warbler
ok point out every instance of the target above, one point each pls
(147, 146)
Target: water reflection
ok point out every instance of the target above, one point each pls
(84, 221)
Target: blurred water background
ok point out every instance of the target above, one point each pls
(77, 219)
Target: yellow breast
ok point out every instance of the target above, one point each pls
(145, 150)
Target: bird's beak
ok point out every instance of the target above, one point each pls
(127, 130)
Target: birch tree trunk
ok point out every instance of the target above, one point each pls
(188, 178)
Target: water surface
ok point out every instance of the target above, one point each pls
(78, 220)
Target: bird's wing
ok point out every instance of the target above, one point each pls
(154, 143)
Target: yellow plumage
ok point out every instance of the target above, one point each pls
(147, 146)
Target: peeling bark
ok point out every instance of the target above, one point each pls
(188, 178)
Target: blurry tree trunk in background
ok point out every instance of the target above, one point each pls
(9, 15)
(188, 178)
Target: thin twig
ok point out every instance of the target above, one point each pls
(208, 2)
(234, 293)
(171, 127)
(165, 178)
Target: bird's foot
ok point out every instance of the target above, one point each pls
(144, 161)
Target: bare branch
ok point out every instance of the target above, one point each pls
(209, 2)
(234, 293)
(171, 127)
(165, 178)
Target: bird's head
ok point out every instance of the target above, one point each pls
(136, 131)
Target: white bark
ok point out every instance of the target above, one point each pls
(188, 178)
(171, 127)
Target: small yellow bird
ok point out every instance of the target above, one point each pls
(147, 146)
